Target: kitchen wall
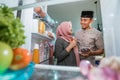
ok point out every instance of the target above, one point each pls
(71, 12)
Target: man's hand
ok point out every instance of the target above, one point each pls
(85, 52)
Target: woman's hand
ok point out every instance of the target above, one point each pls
(72, 44)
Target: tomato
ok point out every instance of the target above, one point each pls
(21, 58)
(6, 56)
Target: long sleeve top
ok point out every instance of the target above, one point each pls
(63, 57)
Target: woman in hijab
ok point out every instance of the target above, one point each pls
(66, 50)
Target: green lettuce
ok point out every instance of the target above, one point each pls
(11, 28)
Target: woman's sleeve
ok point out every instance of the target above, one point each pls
(60, 50)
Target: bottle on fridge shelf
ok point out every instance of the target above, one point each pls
(36, 55)
(41, 27)
(46, 50)
(41, 51)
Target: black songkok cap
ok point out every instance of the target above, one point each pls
(87, 14)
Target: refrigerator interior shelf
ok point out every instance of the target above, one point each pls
(39, 37)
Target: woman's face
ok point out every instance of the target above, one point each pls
(70, 30)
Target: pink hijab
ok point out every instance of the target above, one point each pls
(62, 32)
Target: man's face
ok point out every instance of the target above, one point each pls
(85, 22)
